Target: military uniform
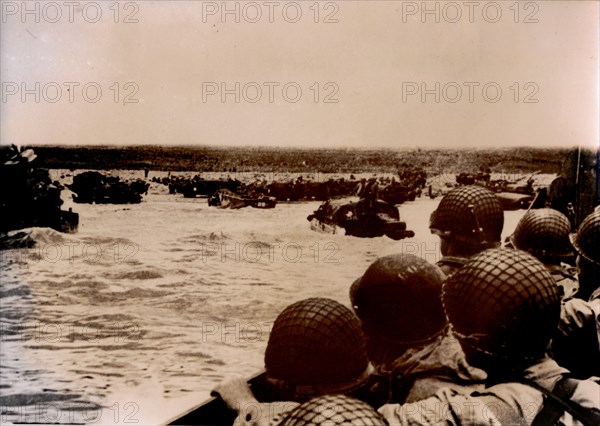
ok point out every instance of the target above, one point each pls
(566, 278)
(510, 403)
(576, 344)
(420, 372)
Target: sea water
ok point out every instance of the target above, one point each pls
(142, 312)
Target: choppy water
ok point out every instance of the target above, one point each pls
(148, 306)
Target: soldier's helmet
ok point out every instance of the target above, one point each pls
(544, 233)
(333, 410)
(469, 214)
(587, 239)
(316, 347)
(399, 298)
(502, 304)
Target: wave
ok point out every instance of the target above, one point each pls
(17, 291)
(47, 236)
(20, 400)
(137, 275)
(204, 237)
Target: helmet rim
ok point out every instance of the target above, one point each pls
(303, 391)
(574, 237)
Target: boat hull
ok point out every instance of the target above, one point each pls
(214, 411)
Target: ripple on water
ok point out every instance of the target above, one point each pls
(95, 297)
(204, 237)
(22, 291)
(34, 398)
(145, 274)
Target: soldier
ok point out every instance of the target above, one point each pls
(368, 191)
(372, 192)
(359, 190)
(544, 233)
(333, 410)
(468, 220)
(504, 306)
(398, 300)
(316, 347)
(577, 342)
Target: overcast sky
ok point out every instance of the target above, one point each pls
(503, 73)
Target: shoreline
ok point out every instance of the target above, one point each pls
(66, 175)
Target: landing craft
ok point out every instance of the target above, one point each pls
(348, 214)
(518, 194)
(513, 195)
(94, 187)
(31, 199)
(224, 199)
(514, 200)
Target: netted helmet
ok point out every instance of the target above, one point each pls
(399, 298)
(544, 233)
(503, 303)
(317, 346)
(587, 239)
(333, 410)
(469, 214)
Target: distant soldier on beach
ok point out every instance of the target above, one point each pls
(368, 192)
(359, 189)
